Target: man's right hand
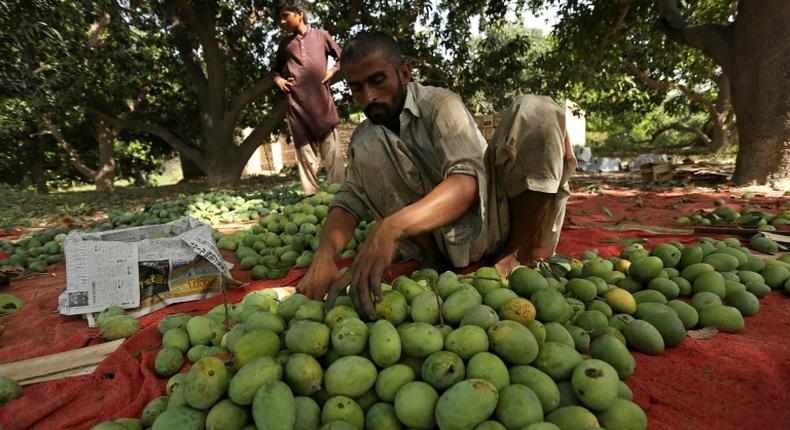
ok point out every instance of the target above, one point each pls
(284, 84)
(321, 274)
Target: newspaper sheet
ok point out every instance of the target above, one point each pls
(141, 268)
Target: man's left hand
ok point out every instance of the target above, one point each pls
(367, 270)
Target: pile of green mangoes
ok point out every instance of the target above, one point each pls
(286, 238)
(39, 250)
(213, 208)
(453, 352)
(35, 251)
(746, 217)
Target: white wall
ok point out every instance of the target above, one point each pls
(575, 124)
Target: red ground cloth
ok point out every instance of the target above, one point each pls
(730, 381)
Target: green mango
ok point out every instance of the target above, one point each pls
(349, 337)
(350, 376)
(226, 415)
(168, 362)
(513, 342)
(119, 327)
(303, 374)
(391, 379)
(244, 384)
(518, 407)
(385, 343)
(415, 403)
(420, 339)
(467, 341)
(442, 369)
(308, 414)
(381, 416)
(206, 383)
(540, 383)
(308, 337)
(465, 405)
(254, 344)
(487, 366)
(181, 418)
(152, 410)
(274, 407)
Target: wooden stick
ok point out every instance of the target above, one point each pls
(61, 365)
(726, 230)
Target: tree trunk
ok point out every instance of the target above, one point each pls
(189, 169)
(761, 96)
(37, 165)
(754, 53)
(105, 172)
(723, 121)
(221, 158)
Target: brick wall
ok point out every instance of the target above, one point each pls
(488, 124)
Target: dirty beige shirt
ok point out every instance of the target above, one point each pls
(441, 138)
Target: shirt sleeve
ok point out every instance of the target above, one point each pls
(279, 61)
(462, 148)
(333, 50)
(350, 195)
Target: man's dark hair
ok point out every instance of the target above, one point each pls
(296, 6)
(366, 43)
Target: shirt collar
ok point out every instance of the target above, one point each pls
(410, 105)
(297, 35)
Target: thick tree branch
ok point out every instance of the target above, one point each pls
(199, 27)
(131, 105)
(184, 47)
(429, 68)
(351, 18)
(712, 39)
(720, 115)
(158, 131)
(74, 156)
(618, 23)
(202, 21)
(263, 129)
(681, 127)
(245, 98)
(664, 85)
(96, 30)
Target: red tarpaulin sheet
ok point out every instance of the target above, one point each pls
(729, 381)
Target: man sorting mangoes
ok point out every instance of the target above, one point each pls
(421, 168)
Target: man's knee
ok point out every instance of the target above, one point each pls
(538, 115)
(531, 154)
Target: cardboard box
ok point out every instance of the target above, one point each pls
(657, 172)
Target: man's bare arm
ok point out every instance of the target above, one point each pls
(443, 205)
(337, 231)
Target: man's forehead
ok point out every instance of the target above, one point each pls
(366, 66)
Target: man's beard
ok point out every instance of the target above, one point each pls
(384, 113)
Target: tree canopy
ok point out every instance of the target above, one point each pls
(90, 83)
